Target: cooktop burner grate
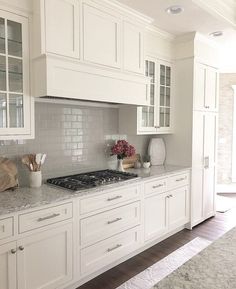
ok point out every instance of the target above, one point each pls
(90, 180)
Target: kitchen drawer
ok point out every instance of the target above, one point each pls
(157, 186)
(109, 223)
(103, 253)
(178, 181)
(111, 198)
(6, 228)
(40, 218)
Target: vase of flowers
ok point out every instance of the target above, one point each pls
(122, 149)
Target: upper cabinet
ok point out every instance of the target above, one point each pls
(62, 27)
(84, 42)
(156, 118)
(133, 48)
(16, 104)
(206, 88)
(101, 36)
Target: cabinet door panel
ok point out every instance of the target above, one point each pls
(133, 48)
(7, 266)
(209, 164)
(197, 167)
(101, 34)
(46, 261)
(62, 27)
(178, 209)
(155, 216)
(211, 89)
(200, 87)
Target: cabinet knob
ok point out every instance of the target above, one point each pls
(13, 251)
(21, 248)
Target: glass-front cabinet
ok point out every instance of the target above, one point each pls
(15, 100)
(156, 118)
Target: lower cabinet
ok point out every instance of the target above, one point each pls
(155, 216)
(40, 261)
(8, 266)
(165, 212)
(178, 208)
(110, 250)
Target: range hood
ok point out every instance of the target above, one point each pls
(59, 79)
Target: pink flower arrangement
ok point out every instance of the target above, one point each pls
(122, 149)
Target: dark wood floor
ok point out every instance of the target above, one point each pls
(211, 229)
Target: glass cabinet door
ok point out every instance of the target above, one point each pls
(165, 97)
(15, 101)
(11, 75)
(148, 113)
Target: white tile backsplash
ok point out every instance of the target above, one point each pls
(74, 139)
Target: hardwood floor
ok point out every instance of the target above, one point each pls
(211, 229)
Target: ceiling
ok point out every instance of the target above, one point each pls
(194, 18)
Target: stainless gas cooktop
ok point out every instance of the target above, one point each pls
(90, 180)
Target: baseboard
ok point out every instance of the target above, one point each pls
(226, 188)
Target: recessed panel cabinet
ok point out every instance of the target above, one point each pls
(62, 27)
(40, 261)
(133, 48)
(204, 166)
(101, 36)
(206, 88)
(8, 266)
(16, 104)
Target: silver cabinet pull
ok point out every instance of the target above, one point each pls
(13, 251)
(21, 248)
(113, 199)
(114, 248)
(48, 217)
(180, 180)
(158, 186)
(206, 162)
(114, 221)
(207, 107)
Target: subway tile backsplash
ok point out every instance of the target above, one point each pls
(75, 139)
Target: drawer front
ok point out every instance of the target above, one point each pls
(6, 228)
(178, 181)
(111, 198)
(103, 253)
(40, 218)
(157, 186)
(109, 223)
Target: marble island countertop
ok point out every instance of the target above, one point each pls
(25, 198)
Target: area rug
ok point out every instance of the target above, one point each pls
(161, 269)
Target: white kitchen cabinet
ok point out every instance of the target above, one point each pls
(44, 260)
(178, 207)
(16, 103)
(133, 48)
(62, 27)
(206, 88)
(8, 266)
(156, 118)
(168, 209)
(155, 222)
(101, 36)
(204, 166)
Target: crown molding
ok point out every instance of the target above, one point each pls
(160, 33)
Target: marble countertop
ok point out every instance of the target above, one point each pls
(25, 198)
(213, 268)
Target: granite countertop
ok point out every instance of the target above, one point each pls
(213, 268)
(26, 198)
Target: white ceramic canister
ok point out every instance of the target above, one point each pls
(35, 179)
